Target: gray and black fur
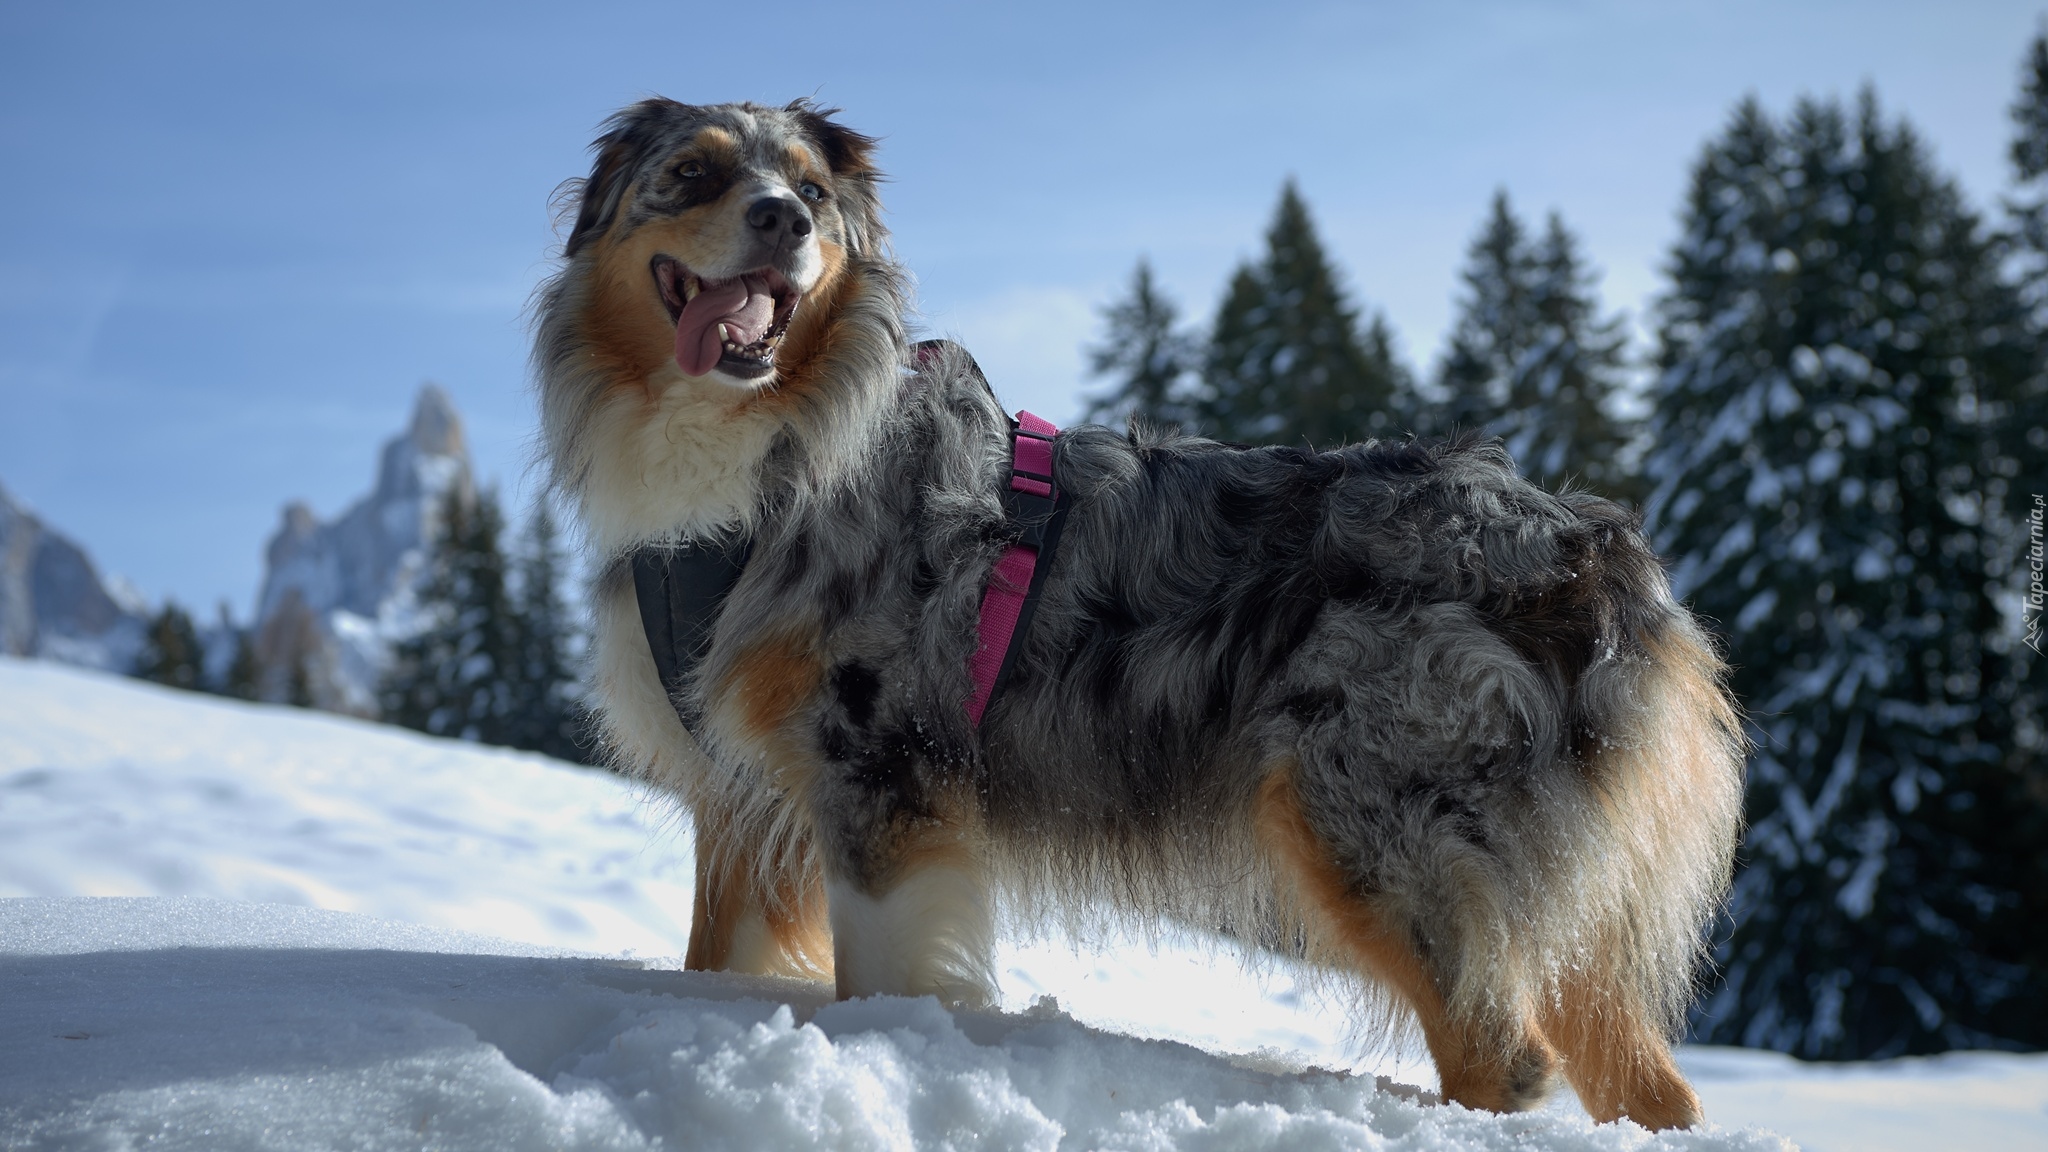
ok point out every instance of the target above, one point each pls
(1391, 706)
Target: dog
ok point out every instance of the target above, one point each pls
(1390, 708)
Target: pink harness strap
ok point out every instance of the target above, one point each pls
(1009, 586)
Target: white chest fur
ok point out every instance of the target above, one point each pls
(682, 464)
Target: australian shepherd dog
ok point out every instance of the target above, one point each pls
(1390, 709)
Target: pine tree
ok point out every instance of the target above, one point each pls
(2029, 153)
(1150, 360)
(455, 676)
(2012, 828)
(1285, 362)
(2029, 209)
(1532, 361)
(1821, 467)
(547, 714)
(1406, 410)
(171, 653)
(298, 690)
(1493, 325)
(242, 679)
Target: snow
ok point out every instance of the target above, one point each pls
(113, 787)
(1960, 1100)
(318, 951)
(210, 1024)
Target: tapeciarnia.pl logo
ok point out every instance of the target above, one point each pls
(2037, 593)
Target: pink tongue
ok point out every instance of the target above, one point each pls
(743, 304)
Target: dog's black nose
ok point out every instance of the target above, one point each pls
(778, 214)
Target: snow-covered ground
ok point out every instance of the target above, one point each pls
(363, 991)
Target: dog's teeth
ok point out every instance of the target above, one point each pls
(691, 286)
(725, 333)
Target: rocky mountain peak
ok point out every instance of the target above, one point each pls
(53, 602)
(335, 592)
(436, 428)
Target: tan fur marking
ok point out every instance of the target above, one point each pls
(716, 139)
(1613, 1057)
(948, 838)
(729, 892)
(798, 922)
(1476, 1070)
(619, 335)
(771, 680)
(719, 903)
(800, 163)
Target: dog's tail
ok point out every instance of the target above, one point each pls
(1658, 764)
(1667, 775)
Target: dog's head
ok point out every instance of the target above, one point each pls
(715, 237)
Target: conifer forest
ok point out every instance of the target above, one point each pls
(1837, 438)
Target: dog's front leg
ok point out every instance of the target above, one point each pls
(911, 916)
(758, 909)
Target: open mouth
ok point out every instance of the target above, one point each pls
(733, 325)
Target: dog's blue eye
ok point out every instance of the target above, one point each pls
(811, 191)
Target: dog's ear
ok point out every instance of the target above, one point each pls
(628, 135)
(847, 152)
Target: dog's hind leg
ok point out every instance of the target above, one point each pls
(1614, 1056)
(1669, 786)
(916, 920)
(1498, 1060)
(753, 913)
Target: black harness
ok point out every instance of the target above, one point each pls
(680, 591)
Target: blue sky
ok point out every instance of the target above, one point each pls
(234, 240)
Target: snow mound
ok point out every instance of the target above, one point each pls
(208, 1024)
(115, 787)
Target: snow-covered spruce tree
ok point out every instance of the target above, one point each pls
(1149, 360)
(1822, 455)
(2029, 209)
(171, 653)
(1285, 362)
(457, 676)
(1532, 361)
(546, 707)
(2028, 205)
(2015, 834)
(1493, 323)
